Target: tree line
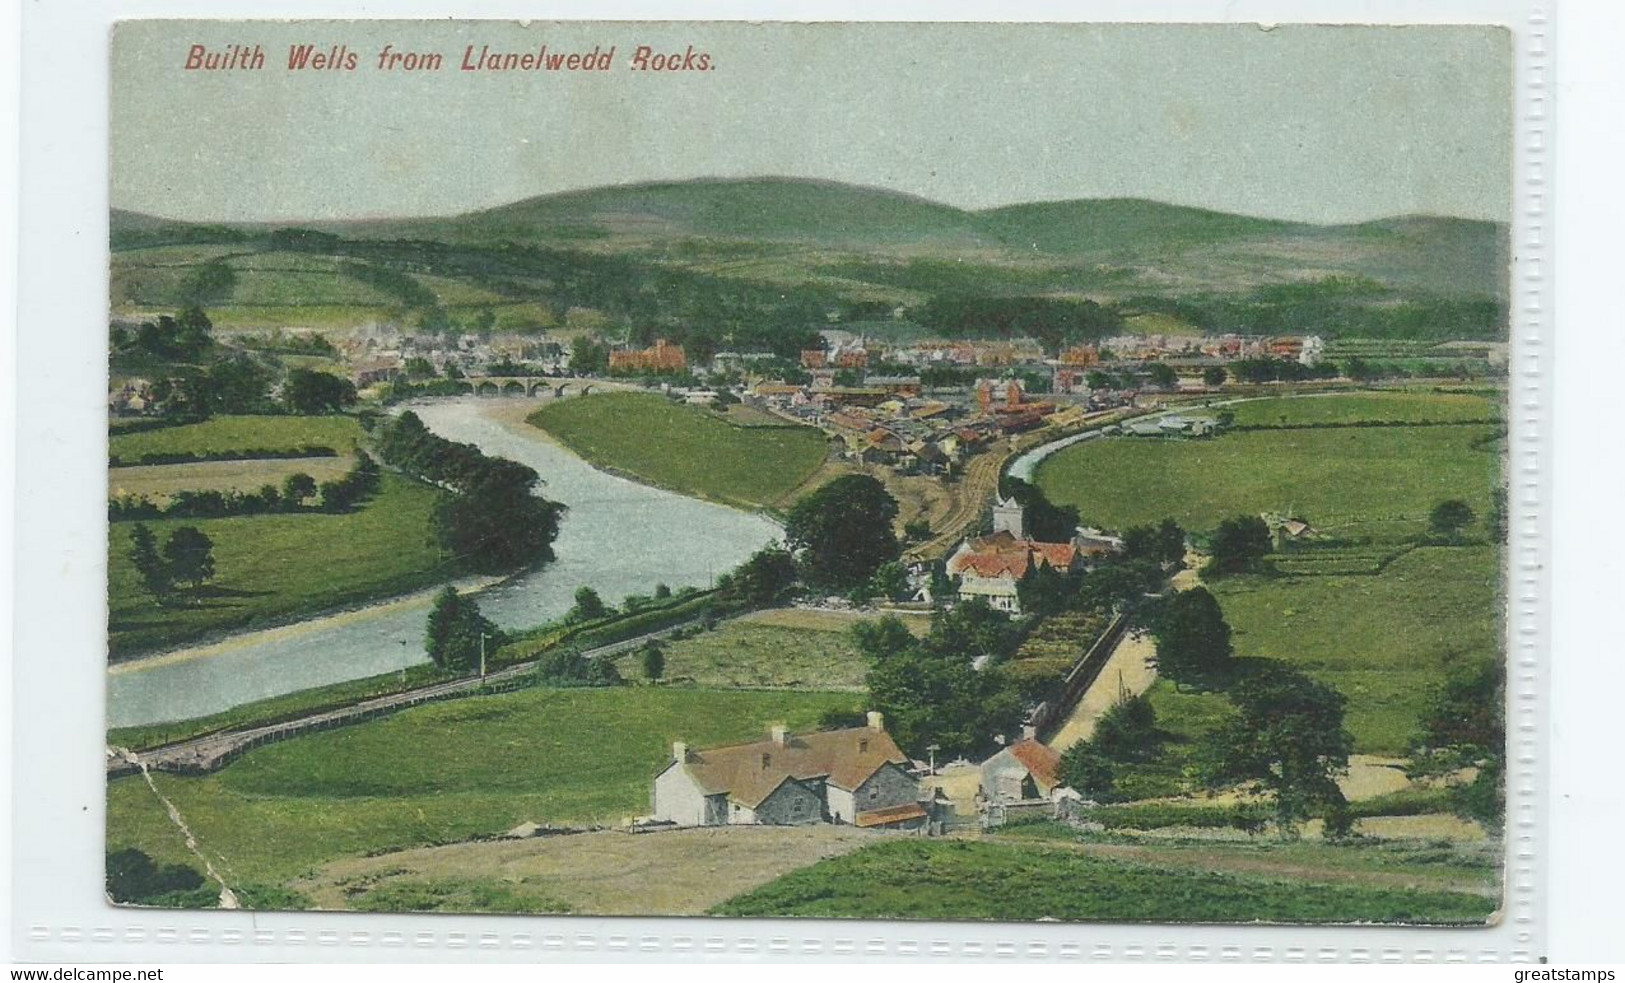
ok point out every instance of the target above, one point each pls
(490, 519)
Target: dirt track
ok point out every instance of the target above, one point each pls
(680, 872)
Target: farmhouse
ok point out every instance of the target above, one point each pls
(854, 776)
(1022, 772)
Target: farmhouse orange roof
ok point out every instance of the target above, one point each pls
(750, 772)
(1040, 760)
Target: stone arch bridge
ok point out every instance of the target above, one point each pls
(529, 386)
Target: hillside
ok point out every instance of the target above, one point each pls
(767, 209)
(770, 249)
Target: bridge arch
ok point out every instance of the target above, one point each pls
(512, 386)
(487, 387)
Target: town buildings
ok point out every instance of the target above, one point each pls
(661, 358)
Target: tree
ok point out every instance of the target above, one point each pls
(144, 556)
(1214, 376)
(932, 698)
(1119, 584)
(193, 334)
(917, 530)
(1089, 772)
(588, 607)
(1286, 738)
(453, 636)
(768, 577)
(297, 487)
(654, 660)
(973, 630)
(239, 385)
(882, 638)
(890, 581)
(1162, 375)
(1045, 521)
(1127, 731)
(309, 392)
(1193, 639)
(134, 876)
(1239, 543)
(1449, 518)
(843, 531)
(189, 556)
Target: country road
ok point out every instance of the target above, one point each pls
(212, 751)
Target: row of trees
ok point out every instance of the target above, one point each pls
(490, 520)
(298, 492)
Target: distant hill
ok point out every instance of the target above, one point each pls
(770, 209)
(868, 245)
(1093, 225)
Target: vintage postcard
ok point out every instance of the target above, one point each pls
(988, 472)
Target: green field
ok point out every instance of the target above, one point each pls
(444, 772)
(1381, 640)
(273, 568)
(1376, 617)
(948, 879)
(684, 448)
(1389, 407)
(222, 434)
(1357, 483)
(740, 653)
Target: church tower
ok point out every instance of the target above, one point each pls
(1008, 517)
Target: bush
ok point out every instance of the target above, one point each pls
(132, 876)
(1127, 731)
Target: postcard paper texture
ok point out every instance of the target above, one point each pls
(998, 472)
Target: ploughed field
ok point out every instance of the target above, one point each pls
(686, 449)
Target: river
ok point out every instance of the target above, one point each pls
(618, 537)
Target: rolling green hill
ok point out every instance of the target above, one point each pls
(764, 209)
(826, 242)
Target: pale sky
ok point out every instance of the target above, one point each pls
(1321, 124)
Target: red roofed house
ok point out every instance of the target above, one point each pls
(992, 567)
(1022, 772)
(853, 776)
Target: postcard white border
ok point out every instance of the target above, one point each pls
(58, 913)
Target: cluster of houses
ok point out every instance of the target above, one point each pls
(380, 354)
(888, 422)
(852, 776)
(992, 568)
(847, 351)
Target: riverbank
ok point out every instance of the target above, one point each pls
(649, 438)
(620, 538)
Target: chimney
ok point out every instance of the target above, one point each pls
(877, 720)
(1029, 732)
(679, 752)
(781, 735)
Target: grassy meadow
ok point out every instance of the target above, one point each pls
(272, 568)
(684, 448)
(958, 879)
(1385, 406)
(442, 773)
(1375, 616)
(224, 434)
(1374, 483)
(747, 654)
